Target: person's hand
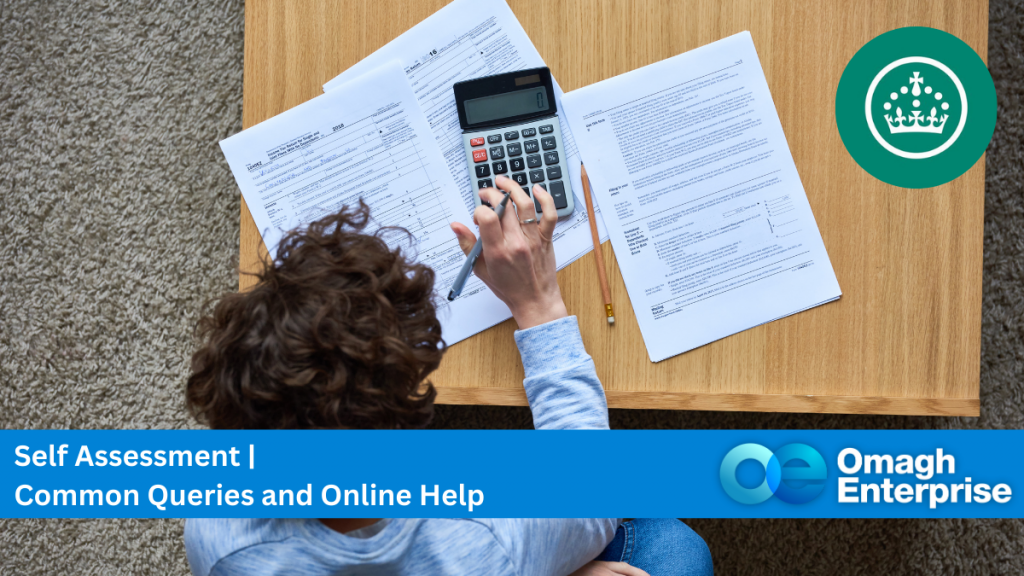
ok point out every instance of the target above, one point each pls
(596, 568)
(518, 259)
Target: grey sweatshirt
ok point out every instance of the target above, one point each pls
(564, 393)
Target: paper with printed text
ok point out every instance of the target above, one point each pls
(367, 139)
(709, 221)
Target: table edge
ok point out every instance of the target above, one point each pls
(793, 403)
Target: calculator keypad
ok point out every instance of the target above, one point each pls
(531, 161)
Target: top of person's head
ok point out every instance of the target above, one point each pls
(341, 331)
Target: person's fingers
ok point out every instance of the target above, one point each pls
(510, 222)
(490, 233)
(549, 217)
(465, 236)
(524, 206)
(466, 242)
(517, 244)
(491, 196)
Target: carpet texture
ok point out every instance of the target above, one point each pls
(118, 220)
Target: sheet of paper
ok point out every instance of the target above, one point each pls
(469, 39)
(367, 139)
(709, 221)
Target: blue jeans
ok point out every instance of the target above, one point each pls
(661, 547)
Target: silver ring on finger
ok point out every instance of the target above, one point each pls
(529, 221)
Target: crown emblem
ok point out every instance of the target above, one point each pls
(917, 122)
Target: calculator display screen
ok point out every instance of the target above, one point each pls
(510, 104)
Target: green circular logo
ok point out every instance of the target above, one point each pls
(916, 107)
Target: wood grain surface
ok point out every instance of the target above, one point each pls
(904, 339)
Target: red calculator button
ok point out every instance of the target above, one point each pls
(479, 155)
(476, 142)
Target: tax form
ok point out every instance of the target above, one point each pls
(368, 140)
(470, 39)
(709, 221)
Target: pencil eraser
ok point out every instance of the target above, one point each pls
(611, 320)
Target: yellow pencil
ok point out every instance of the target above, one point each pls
(598, 256)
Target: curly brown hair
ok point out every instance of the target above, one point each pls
(340, 332)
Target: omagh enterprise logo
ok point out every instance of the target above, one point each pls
(795, 473)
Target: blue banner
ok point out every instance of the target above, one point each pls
(477, 473)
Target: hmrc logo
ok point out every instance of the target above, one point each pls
(783, 475)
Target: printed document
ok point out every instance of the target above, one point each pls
(709, 221)
(470, 39)
(369, 140)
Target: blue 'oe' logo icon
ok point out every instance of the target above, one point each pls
(783, 475)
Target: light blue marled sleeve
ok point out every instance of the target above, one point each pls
(564, 392)
(561, 381)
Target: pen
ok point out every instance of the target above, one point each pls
(598, 255)
(467, 266)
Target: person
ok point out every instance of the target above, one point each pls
(341, 331)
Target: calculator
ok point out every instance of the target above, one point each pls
(510, 127)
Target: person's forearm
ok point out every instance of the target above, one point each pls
(561, 382)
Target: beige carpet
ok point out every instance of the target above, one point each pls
(118, 219)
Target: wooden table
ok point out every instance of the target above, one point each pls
(904, 339)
